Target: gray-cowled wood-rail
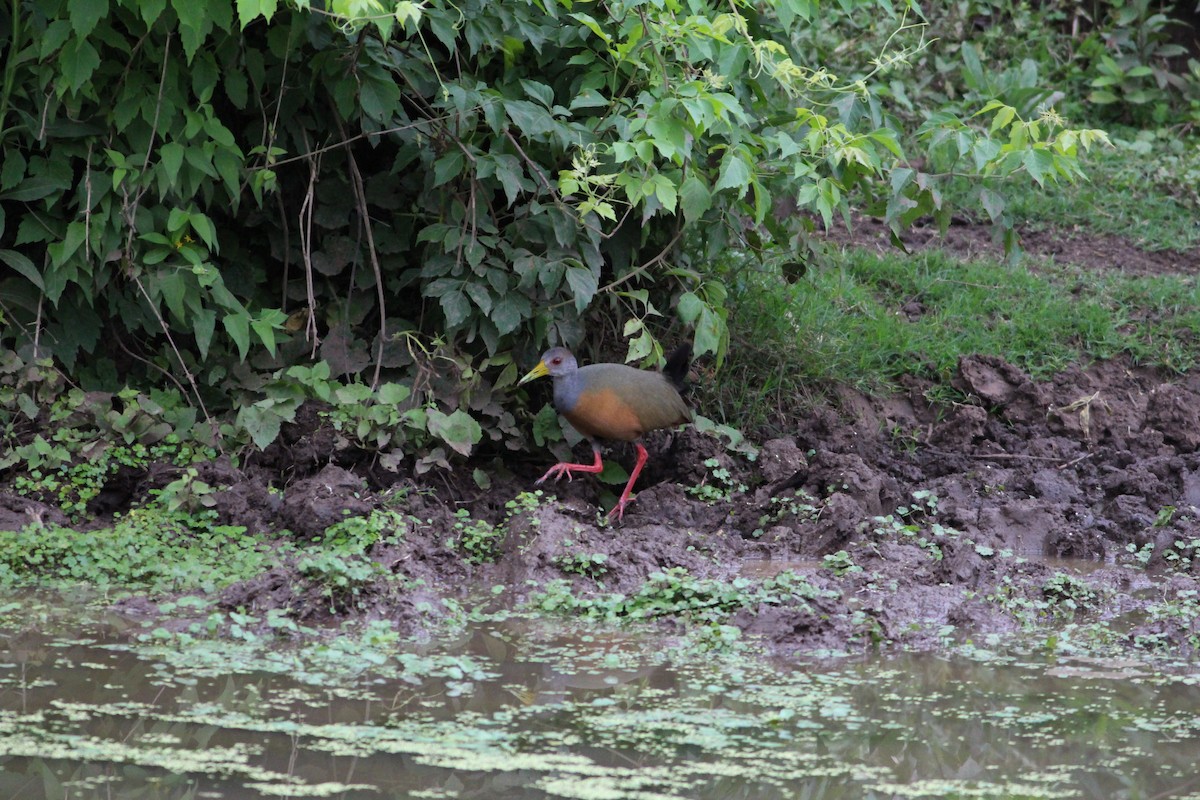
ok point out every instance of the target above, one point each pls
(614, 401)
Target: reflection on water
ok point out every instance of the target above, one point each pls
(526, 710)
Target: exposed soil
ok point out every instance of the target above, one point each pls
(1092, 464)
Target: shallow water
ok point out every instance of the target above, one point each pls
(524, 709)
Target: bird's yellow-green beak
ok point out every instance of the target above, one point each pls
(540, 371)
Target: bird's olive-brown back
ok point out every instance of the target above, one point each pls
(614, 401)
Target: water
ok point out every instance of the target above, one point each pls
(523, 709)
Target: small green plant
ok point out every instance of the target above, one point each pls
(188, 494)
(799, 504)
(924, 504)
(718, 485)
(356, 535)
(1178, 613)
(676, 593)
(589, 565)
(147, 549)
(342, 575)
(1141, 554)
(1164, 517)
(840, 563)
(1182, 554)
(478, 539)
(1069, 592)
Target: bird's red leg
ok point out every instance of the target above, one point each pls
(619, 508)
(558, 470)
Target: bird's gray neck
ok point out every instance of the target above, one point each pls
(567, 389)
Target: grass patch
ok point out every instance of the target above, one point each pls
(876, 317)
(1144, 189)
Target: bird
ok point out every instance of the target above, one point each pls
(614, 401)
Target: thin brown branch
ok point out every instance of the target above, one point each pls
(360, 196)
(162, 323)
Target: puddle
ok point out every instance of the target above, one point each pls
(526, 709)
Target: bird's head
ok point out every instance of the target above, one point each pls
(555, 362)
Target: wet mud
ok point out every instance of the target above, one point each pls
(916, 521)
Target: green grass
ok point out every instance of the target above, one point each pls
(1147, 189)
(847, 324)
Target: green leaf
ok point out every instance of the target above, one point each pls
(1039, 163)
(250, 10)
(13, 170)
(261, 423)
(77, 61)
(170, 160)
(204, 227)
(710, 333)
(266, 324)
(584, 283)
(735, 174)
(448, 167)
(510, 312)
(379, 96)
(538, 91)
(993, 203)
(593, 26)
(195, 22)
(459, 429)
(204, 322)
(393, 394)
(238, 328)
(23, 265)
(151, 10)
(173, 287)
(665, 191)
(35, 187)
(533, 120)
(61, 251)
(85, 14)
(689, 307)
(1003, 117)
(176, 220)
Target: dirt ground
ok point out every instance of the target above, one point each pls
(1101, 458)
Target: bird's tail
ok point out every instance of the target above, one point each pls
(676, 368)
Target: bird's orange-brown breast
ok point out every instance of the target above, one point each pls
(602, 413)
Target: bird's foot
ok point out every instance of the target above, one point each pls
(618, 510)
(559, 470)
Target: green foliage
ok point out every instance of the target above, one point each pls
(338, 560)
(357, 535)
(840, 563)
(799, 504)
(718, 485)
(479, 540)
(676, 593)
(388, 420)
(216, 195)
(1131, 62)
(1070, 591)
(589, 565)
(1156, 173)
(916, 523)
(148, 549)
(1177, 612)
(72, 472)
(189, 495)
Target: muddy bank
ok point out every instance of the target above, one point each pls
(911, 523)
